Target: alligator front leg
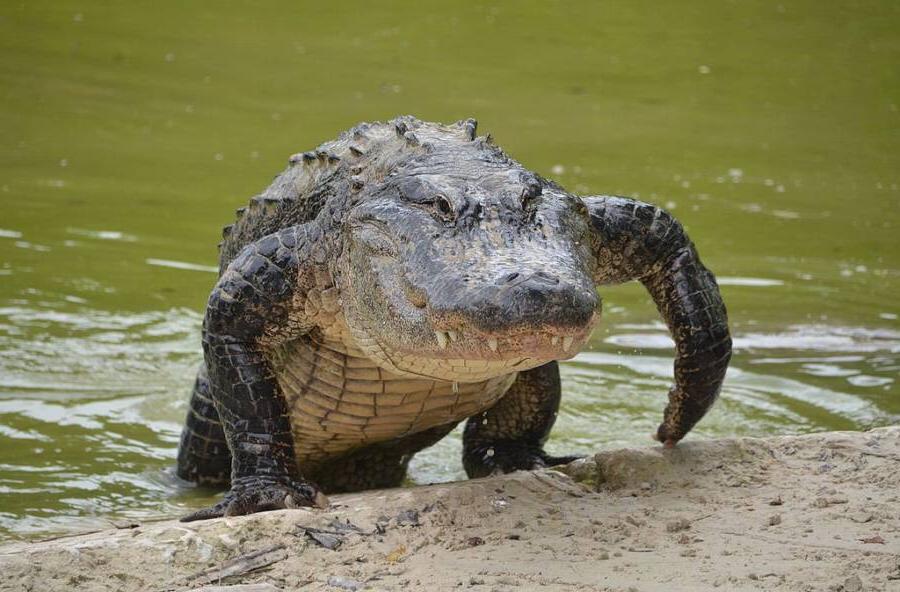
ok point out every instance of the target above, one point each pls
(510, 435)
(634, 240)
(255, 306)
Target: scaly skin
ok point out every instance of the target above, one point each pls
(510, 435)
(401, 279)
(661, 257)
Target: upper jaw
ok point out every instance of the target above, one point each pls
(554, 343)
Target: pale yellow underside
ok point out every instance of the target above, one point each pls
(340, 399)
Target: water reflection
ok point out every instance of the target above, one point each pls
(181, 265)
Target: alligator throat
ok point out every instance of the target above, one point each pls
(340, 400)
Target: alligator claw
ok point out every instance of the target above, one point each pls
(250, 495)
(668, 443)
(554, 461)
(665, 435)
(507, 457)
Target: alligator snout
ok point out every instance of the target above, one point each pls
(516, 303)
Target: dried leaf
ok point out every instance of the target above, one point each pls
(397, 554)
(323, 539)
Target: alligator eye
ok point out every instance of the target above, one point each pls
(529, 194)
(581, 208)
(444, 207)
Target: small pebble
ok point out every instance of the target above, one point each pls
(633, 521)
(344, 583)
(408, 518)
(678, 525)
(853, 584)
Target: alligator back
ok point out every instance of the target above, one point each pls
(363, 154)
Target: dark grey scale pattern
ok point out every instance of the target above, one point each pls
(203, 455)
(510, 436)
(249, 308)
(636, 240)
(375, 466)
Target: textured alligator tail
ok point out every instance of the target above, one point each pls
(635, 240)
(203, 455)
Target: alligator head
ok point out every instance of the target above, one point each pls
(462, 265)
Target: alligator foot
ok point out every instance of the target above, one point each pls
(249, 495)
(506, 457)
(662, 437)
(668, 432)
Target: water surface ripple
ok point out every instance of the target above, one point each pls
(132, 131)
(91, 404)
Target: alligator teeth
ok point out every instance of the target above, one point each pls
(454, 336)
(567, 342)
(554, 340)
(441, 339)
(492, 343)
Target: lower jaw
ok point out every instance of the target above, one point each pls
(457, 369)
(457, 364)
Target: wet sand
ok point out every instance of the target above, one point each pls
(807, 513)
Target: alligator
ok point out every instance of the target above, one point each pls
(405, 277)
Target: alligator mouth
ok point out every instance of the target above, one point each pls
(547, 344)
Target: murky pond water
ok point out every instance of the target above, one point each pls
(130, 134)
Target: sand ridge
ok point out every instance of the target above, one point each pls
(798, 513)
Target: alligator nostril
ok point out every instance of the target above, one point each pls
(549, 278)
(538, 277)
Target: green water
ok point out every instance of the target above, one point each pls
(129, 132)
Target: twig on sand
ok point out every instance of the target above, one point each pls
(240, 565)
(880, 455)
(239, 588)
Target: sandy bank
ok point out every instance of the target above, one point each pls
(817, 512)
